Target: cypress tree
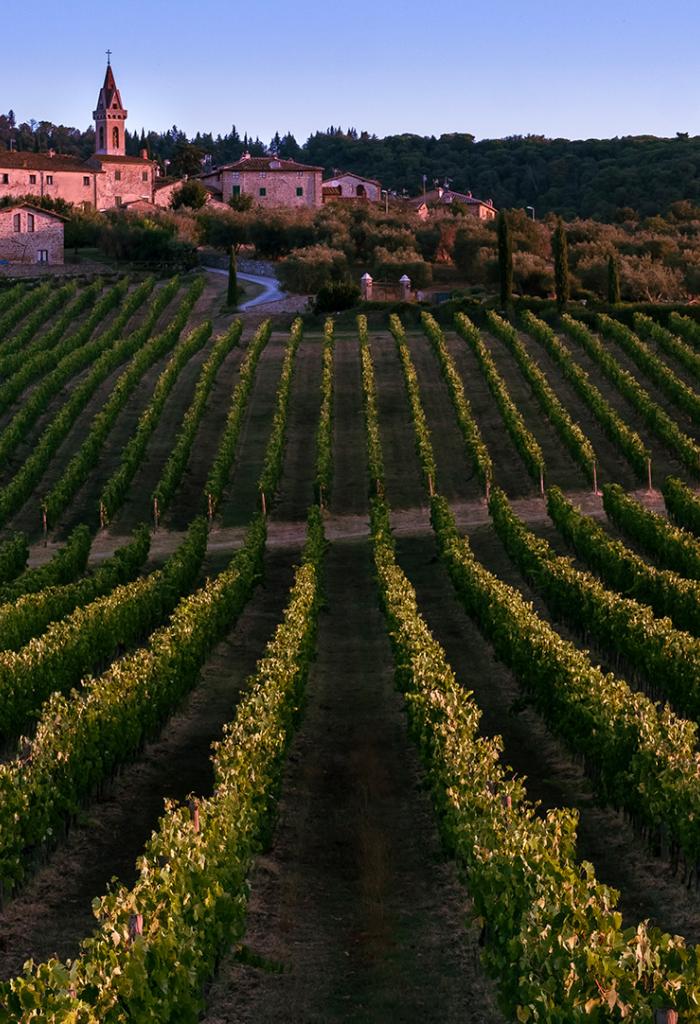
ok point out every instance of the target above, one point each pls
(232, 280)
(561, 264)
(505, 259)
(613, 280)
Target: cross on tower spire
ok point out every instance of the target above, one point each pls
(109, 55)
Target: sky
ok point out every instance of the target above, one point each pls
(558, 68)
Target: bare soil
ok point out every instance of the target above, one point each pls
(355, 915)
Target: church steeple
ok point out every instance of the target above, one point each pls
(109, 117)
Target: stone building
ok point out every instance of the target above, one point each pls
(107, 179)
(441, 197)
(270, 181)
(30, 235)
(347, 185)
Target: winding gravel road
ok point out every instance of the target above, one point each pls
(272, 292)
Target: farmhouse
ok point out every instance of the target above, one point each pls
(347, 185)
(270, 181)
(436, 198)
(30, 235)
(107, 179)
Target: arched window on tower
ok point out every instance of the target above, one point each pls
(102, 137)
(115, 138)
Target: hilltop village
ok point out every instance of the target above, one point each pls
(111, 179)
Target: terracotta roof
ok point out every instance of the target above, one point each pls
(351, 174)
(40, 161)
(266, 163)
(30, 206)
(448, 196)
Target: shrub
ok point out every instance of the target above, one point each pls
(393, 265)
(309, 269)
(336, 296)
(191, 193)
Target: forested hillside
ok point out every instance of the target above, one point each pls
(601, 178)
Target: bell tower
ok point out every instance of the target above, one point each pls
(109, 117)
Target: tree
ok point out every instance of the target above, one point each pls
(232, 295)
(613, 280)
(187, 159)
(562, 284)
(191, 193)
(505, 258)
(241, 202)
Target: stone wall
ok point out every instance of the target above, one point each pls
(123, 181)
(280, 187)
(23, 246)
(58, 184)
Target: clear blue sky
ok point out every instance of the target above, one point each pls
(573, 68)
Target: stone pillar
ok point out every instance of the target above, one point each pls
(405, 283)
(366, 284)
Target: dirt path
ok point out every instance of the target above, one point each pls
(354, 913)
(349, 490)
(509, 469)
(296, 489)
(402, 473)
(240, 498)
(53, 913)
(456, 478)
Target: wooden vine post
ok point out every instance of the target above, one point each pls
(44, 523)
(210, 507)
(488, 489)
(135, 927)
(649, 476)
(431, 488)
(263, 503)
(542, 481)
(156, 514)
(320, 496)
(595, 479)
(103, 515)
(194, 813)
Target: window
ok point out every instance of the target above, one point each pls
(115, 138)
(17, 222)
(32, 179)
(117, 175)
(262, 192)
(30, 222)
(235, 190)
(86, 179)
(49, 179)
(263, 174)
(236, 174)
(42, 256)
(300, 191)
(300, 174)
(5, 179)
(144, 175)
(102, 138)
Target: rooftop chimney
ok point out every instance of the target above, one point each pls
(144, 154)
